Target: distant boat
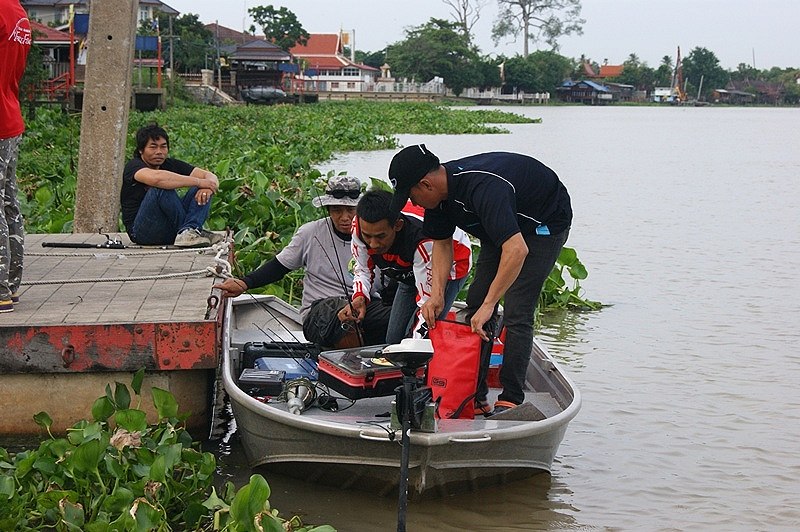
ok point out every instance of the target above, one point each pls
(353, 447)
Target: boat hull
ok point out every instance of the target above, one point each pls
(374, 464)
(361, 451)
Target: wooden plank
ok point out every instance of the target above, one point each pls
(89, 326)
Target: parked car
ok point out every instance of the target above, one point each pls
(265, 95)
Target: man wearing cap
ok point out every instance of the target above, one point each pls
(521, 212)
(322, 247)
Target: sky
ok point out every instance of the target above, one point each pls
(760, 33)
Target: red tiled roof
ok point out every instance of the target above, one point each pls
(610, 71)
(324, 51)
(46, 34)
(318, 44)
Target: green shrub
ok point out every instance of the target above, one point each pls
(116, 472)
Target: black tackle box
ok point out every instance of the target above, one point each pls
(261, 382)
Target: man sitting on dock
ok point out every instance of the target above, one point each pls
(152, 210)
(402, 252)
(322, 247)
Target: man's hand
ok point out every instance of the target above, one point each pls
(231, 287)
(480, 318)
(354, 311)
(206, 179)
(203, 196)
(431, 309)
(213, 180)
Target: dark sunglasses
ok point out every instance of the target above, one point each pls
(341, 193)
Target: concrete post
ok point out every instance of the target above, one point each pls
(104, 122)
(206, 77)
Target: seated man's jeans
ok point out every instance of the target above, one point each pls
(163, 214)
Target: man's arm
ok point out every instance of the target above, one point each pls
(362, 282)
(512, 256)
(267, 273)
(363, 276)
(165, 179)
(442, 262)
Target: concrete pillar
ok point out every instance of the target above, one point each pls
(206, 77)
(104, 122)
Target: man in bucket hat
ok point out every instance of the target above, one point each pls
(521, 212)
(322, 247)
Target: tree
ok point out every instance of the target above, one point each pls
(537, 20)
(637, 73)
(437, 48)
(541, 71)
(193, 42)
(373, 59)
(745, 72)
(34, 75)
(490, 72)
(280, 26)
(663, 74)
(702, 64)
(466, 13)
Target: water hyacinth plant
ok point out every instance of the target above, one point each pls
(265, 157)
(116, 472)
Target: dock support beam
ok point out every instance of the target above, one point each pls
(104, 123)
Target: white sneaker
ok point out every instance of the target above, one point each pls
(212, 236)
(191, 238)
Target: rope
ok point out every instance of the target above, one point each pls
(222, 269)
(120, 279)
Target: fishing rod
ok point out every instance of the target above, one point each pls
(110, 243)
(329, 225)
(325, 397)
(276, 340)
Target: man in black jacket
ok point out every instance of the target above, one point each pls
(520, 211)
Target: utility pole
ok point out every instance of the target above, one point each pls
(219, 64)
(104, 123)
(171, 64)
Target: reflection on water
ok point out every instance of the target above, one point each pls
(564, 334)
(687, 221)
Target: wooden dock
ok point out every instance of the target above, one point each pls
(90, 317)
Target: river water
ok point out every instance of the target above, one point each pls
(688, 221)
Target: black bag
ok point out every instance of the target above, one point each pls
(321, 326)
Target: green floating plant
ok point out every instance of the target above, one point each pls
(116, 472)
(558, 293)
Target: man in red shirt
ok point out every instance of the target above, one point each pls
(15, 42)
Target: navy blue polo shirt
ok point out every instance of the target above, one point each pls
(495, 195)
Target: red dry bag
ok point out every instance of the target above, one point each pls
(453, 370)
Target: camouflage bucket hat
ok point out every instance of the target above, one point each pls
(340, 190)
